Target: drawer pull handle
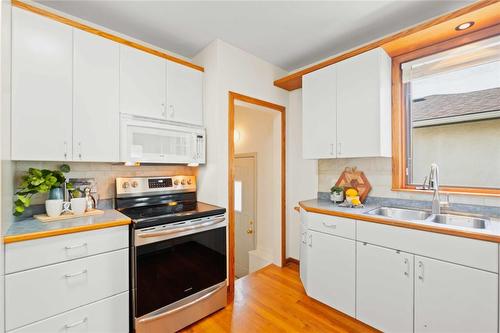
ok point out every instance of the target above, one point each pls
(75, 246)
(75, 274)
(328, 225)
(76, 323)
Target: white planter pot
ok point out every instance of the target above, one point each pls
(337, 196)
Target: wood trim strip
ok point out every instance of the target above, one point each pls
(232, 97)
(89, 29)
(294, 80)
(403, 224)
(291, 260)
(399, 181)
(57, 232)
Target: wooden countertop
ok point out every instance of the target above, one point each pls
(33, 229)
(490, 234)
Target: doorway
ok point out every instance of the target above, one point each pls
(268, 231)
(245, 197)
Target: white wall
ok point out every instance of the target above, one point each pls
(260, 132)
(231, 69)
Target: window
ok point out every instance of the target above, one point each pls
(450, 103)
(238, 196)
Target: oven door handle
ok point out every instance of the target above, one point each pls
(177, 230)
(182, 307)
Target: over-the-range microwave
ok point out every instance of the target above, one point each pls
(147, 140)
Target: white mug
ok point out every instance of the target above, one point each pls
(55, 207)
(78, 205)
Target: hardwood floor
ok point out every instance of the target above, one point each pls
(273, 300)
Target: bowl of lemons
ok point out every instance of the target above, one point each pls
(352, 197)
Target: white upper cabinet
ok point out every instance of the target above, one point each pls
(384, 288)
(319, 113)
(184, 94)
(454, 298)
(346, 108)
(364, 105)
(42, 60)
(142, 83)
(96, 98)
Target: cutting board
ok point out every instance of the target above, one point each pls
(353, 178)
(67, 216)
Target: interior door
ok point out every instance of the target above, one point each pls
(331, 271)
(384, 282)
(245, 211)
(95, 98)
(454, 298)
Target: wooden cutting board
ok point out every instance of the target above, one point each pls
(67, 216)
(353, 178)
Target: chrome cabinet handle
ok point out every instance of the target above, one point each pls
(75, 274)
(163, 111)
(76, 323)
(340, 148)
(330, 225)
(310, 240)
(75, 246)
(65, 150)
(79, 150)
(332, 147)
(407, 263)
(172, 111)
(421, 274)
(304, 236)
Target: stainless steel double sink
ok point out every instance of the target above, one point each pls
(422, 215)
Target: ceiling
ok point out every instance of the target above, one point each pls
(289, 34)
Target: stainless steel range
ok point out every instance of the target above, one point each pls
(178, 252)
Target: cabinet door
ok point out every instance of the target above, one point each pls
(319, 115)
(42, 54)
(142, 83)
(184, 94)
(331, 274)
(303, 248)
(96, 98)
(363, 105)
(454, 298)
(384, 282)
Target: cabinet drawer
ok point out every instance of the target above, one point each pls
(459, 250)
(43, 292)
(109, 315)
(45, 251)
(333, 225)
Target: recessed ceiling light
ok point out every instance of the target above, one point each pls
(464, 26)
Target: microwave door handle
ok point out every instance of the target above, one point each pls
(177, 230)
(182, 307)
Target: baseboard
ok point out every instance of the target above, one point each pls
(292, 261)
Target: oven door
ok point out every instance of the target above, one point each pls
(173, 265)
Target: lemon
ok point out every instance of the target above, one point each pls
(356, 202)
(351, 192)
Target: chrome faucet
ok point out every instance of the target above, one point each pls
(434, 185)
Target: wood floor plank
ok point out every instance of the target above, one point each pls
(273, 300)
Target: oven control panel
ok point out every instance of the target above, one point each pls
(140, 185)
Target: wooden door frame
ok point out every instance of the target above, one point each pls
(233, 97)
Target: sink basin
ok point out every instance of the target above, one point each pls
(458, 220)
(400, 213)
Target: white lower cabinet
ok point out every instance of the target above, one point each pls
(384, 282)
(410, 281)
(331, 270)
(98, 317)
(454, 298)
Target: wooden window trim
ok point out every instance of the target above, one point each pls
(399, 140)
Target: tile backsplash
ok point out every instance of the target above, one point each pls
(378, 170)
(104, 173)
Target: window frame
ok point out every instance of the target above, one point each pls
(399, 113)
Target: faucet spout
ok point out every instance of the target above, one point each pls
(434, 185)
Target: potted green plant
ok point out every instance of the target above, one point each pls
(337, 194)
(40, 181)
